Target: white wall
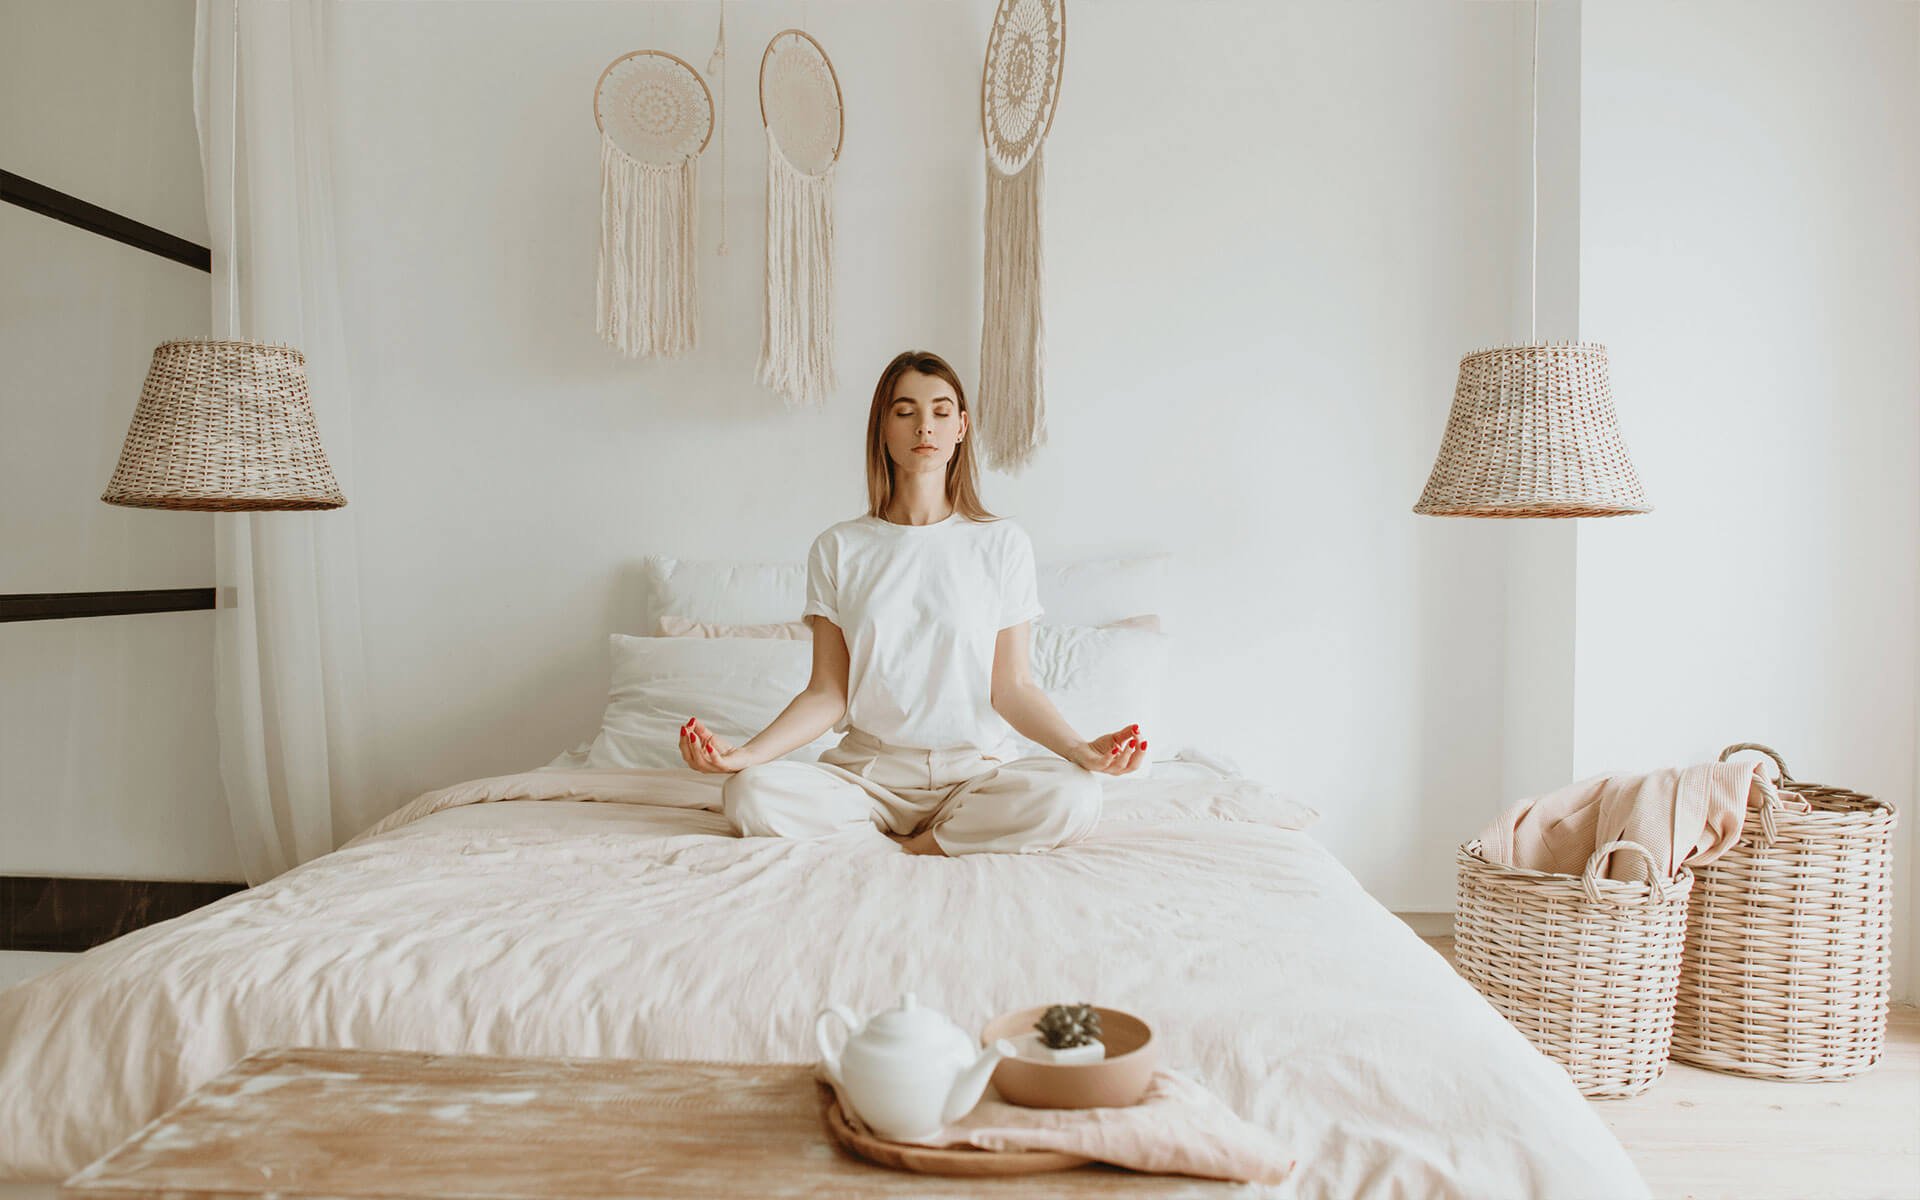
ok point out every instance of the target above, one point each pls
(1750, 251)
(1536, 742)
(1272, 230)
(107, 762)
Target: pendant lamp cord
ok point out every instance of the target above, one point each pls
(233, 186)
(717, 66)
(1533, 196)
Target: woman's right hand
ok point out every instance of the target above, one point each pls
(703, 751)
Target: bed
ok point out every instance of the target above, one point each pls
(611, 912)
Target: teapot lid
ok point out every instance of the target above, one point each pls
(908, 1023)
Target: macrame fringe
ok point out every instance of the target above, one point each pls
(1012, 408)
(647, 303)
(796, 327)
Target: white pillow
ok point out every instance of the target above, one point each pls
(1102, 678)
(1087, 593)
(1077, 597)
(736, 686)
(722, 593)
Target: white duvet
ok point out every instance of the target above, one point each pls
(518, 916)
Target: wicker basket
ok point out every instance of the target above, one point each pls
(1787, 970)
(1585, 966)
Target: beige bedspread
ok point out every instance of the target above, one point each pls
(486, 919)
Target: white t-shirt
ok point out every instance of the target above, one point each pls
(921, 606)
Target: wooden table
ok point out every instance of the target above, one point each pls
(359, 1123)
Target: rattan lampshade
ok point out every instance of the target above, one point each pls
(1532, 434)
(224, 426)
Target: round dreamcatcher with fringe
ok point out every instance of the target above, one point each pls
(1019, 90)
(800, 105)
(655, 116)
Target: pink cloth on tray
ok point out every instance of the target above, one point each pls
(1683, 816)
(1178, 1128)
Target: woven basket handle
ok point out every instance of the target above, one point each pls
(1786, 776)
(1657, 888)
(1769, 795)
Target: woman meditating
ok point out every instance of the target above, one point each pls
(921, 615)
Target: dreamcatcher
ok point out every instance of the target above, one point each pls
(655, 117)
(800, 105)
(1019, 90)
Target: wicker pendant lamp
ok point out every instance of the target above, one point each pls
(225, 426)
(1532, 431)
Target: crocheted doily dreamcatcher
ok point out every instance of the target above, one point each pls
(800, 104)
(1019, 90)
(654, 107)
(655, 116)
(1020, 85)
(800, 101)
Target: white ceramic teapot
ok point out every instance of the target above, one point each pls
(909, 1071)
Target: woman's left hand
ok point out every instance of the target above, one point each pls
(1121, 752)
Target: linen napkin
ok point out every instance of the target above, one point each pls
(1177, 1128)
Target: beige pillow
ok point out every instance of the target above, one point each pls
(672, 626)
(800, 631)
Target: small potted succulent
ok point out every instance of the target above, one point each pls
(1065, 1033)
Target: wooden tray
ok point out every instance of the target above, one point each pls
(932, 1160)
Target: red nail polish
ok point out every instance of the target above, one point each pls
(1143, 747)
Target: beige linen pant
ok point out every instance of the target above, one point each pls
(974, 803)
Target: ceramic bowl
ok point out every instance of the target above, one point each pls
(1116, 1081)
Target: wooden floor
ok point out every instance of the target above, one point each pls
(1701, 1135)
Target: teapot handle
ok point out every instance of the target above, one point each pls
(829, 1056)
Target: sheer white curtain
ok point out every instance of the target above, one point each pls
(289, 666)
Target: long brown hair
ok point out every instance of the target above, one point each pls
(963, 491)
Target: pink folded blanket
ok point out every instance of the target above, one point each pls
(1178, 1128)
(1683, 816)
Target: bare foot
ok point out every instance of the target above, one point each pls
(921, 843)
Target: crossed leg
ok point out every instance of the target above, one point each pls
(1027, 805)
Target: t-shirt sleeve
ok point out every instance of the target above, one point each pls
(823, 593)
(1019, 590)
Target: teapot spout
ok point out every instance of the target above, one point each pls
(973, 1081)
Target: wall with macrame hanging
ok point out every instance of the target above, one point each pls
(1269, 233)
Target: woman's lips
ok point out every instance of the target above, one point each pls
(918, 449)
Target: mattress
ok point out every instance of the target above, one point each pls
(614, 914)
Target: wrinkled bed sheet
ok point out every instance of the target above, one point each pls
(516, 916)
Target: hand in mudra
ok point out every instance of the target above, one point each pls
(1121, 752)
(706, 752)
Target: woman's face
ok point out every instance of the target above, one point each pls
(924, 423)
